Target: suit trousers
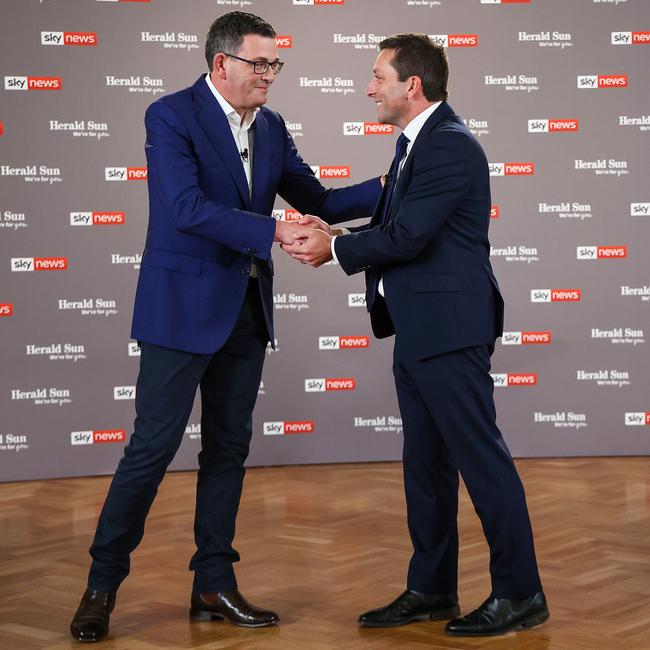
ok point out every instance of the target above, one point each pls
(449, 421)
(229, 380)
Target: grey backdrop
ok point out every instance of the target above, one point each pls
(553, 87)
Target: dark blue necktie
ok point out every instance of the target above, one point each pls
(400, 149)
(374, 273)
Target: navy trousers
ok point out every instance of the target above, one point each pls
(449, 421)
(167, 383)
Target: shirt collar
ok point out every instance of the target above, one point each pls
(414, 127)
(231, 114)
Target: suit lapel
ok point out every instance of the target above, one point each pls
(442, 112)
(261, 156)
(214, 123)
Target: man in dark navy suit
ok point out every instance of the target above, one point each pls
(217, 158)
(429, 281)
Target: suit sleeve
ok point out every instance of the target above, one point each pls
(301, 189)
(173, 176)
(441, 179)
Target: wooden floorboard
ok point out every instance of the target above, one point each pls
(320, 544)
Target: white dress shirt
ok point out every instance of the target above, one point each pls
(411, 131)
(239, 132)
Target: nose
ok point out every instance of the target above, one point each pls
(269, 75)
(370, 89)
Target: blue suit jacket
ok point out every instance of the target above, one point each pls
(203, 225)
(433, 251)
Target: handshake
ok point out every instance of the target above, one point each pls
(307, 240)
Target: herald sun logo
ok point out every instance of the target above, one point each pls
(286, 215)
(367, 128)
(21, 264)
(637, 419)
(331, 171)
(343, 342)
(630, 38)
(93, 218)
(96, 437)
(510, 379)
(588, 81)
(125, 173)
(321, 385)
(552, 125)
(6, 309)
(601, 252)
(284, 428)
(555, 295)
(455, 40)
(284, 41)
(494, 212)
(526, 338)
(69, 38)
(512, 169)
(33, 83)
(639, 209)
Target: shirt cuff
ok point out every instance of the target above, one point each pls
(339, 232)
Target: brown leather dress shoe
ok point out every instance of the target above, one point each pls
(90, 623)
(232, 606)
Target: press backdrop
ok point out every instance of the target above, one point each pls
(556, 92)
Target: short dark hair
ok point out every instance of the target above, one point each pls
(416, 55)
(227, 33)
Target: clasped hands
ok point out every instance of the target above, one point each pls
(307, 240)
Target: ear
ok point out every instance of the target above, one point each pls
(218, 68)
(414, 89)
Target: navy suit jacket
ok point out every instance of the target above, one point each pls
(204, 227)
(433, 250)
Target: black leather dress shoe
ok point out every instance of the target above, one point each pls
(90, 623)
(232, 606)
(412, 606)
(500, 615)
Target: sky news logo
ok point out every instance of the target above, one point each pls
(310, 3)
(22, 264)
(343, 342)
(356, 300)
(285, 428)
(125, 173)
(286, 215)
(282, 42)
(505, 2)
(367, 128)
(87, 39)
(601, 252)
(97, 437)
(331, 171)
(630, 38)
(33, 83)
(323, 384)
(526, 338)
(512, 169)
(637, 419)
(552, 125)
(639, 209)
(123, 392)
(6, 309)
(510, 379)
(555, 295)
(97, 218)
(587, 81)
(2, 128)
(495, 211)
(454, 40)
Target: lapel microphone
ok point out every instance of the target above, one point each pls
(244, 155)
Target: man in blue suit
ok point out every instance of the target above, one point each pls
(217, 158)
(429, 282)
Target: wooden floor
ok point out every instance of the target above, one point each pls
(321, 544)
